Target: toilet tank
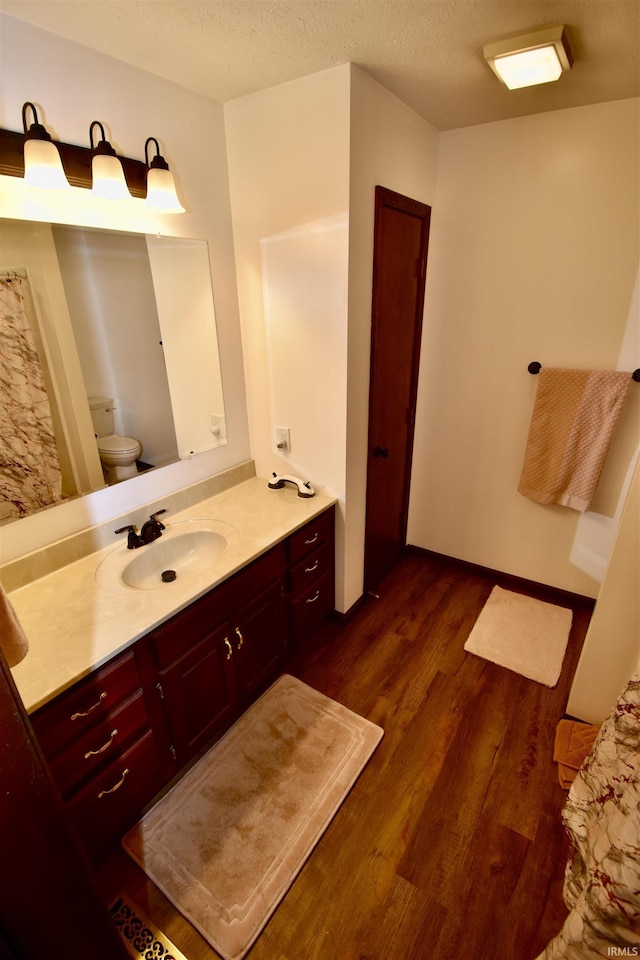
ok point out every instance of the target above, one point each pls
(102, 415)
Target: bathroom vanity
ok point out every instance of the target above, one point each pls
(124, 728)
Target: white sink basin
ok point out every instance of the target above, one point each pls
(186, 549)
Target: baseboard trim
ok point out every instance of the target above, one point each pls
(341, 617)
(507, 579)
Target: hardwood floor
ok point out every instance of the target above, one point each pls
(450, 844)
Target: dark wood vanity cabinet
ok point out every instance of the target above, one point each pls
(214, 656)
(115, 738)
(311, 577)
(102, 752)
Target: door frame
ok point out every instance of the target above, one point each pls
(385, 197)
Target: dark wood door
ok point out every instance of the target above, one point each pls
(401, 238)
(259, 638)
(199, 692)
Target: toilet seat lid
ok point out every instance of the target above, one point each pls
(117, 444)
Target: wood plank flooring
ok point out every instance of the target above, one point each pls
(450, 844)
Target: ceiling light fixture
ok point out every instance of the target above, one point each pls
(531, 58)
(42, 162)
(108, 178)
(161, 190)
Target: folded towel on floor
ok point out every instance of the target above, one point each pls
(573, 419)
(574, 740)
(12, 638)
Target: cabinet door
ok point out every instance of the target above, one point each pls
(259, 630)
(198, 692)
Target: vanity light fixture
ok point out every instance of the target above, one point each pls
(161, 190)
(108, 178)
(531, 58)
(42, 162)
(37, 160)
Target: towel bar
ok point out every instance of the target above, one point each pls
(535, 367)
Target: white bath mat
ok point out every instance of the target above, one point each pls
(226, 843)
(522, 634)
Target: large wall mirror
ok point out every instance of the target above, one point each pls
(101, 332)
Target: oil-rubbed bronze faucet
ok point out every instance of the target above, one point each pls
(134, 540)
(151, 530)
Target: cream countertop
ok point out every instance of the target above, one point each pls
(74, 625)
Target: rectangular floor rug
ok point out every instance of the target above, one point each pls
(225, 844)
(522, 634)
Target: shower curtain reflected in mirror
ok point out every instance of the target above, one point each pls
(30, 475)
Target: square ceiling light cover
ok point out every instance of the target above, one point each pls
(530, 58)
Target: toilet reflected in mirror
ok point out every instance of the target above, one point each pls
(118, 454)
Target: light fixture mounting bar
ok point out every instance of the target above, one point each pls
(75, 160)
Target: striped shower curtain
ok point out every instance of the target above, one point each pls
(30, 476)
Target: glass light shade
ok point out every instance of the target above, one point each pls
(161, 191)
(43, 166)
(529, 67)
(108, 178)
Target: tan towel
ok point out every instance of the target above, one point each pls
(12, 637)
(574, 739)
(571, 428)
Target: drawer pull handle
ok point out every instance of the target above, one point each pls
(313, 539)
(311, 569)
(105, 746)
(229, 648)
(313, 599)
(116, 786)
(240, 638)
(76, 716)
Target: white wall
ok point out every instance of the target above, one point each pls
(74, 85)
(393, 147)
(534, 256)
(611, 649)
(288, 150)
(304, 159)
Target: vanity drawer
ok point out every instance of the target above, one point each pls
(77, 710)
(111, 802)
(310, 569)
(315, 533)
(307, 610)
(312, 535)
(96, 748)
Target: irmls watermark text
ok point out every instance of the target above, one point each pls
(623, 951)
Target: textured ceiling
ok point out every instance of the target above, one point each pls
(427, 52)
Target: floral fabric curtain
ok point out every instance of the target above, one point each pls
(30, 476)
(602, 818)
